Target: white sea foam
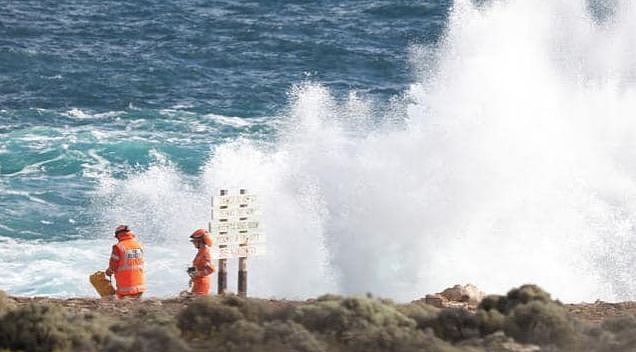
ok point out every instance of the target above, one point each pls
(79, 114)
(228, 120)
(62, 268)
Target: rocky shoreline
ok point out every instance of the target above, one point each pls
(458, 319)
(592, 312)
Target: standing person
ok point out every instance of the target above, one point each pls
(202, 265)
(127, 263)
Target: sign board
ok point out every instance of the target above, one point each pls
(235, 226)
(238, 251)
(234, 213)
(237, 238)
(236, 234)
(233, 201)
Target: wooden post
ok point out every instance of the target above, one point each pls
(242, 271)
(222, 275)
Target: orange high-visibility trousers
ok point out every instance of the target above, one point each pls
(201, 285)
(203, 264)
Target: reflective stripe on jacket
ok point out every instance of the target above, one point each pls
(127, 262)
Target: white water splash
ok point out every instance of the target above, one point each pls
(515, 165)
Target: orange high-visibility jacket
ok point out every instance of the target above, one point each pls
(203, 263)
(127, 262)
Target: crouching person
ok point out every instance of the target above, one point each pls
(127, 263)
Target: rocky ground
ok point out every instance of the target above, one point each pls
(591, 312)
(458, 319)
(114, 307)
(599, 311)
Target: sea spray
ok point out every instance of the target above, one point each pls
(513, 165)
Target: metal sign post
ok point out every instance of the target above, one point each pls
(222, 278)
(237, 234)
(242, 270)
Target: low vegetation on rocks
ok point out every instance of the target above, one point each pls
(526, 319)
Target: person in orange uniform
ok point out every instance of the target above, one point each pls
(127, 263)
(202, 265)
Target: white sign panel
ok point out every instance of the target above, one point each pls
(233, 201)
(236, 251)
(237, 238)
(236, 226)
(234, 213)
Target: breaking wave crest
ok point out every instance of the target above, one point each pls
(512, 164)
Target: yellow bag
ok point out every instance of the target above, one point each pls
(102, 284)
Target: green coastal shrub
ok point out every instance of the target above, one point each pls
(620, 324)
(156, 318)
(499, 342)
(259, 310)
(456, 324)
(541, 323)
(329, 323)
(34, 327)
(241, 335)
(142, 320)
(424, 315)
(616, 334)
(493, 302)
(490, 321)
(289, 336)
(39, 327)
(339, 315)
(205, 315)
(148, 331)
(6, 303)
(324, 316)
(490, 314)
(529, 315)
(157, 338)
(88, 331)
(523, 295)
(275, 336)
(360, 324)
(329, 297)
(250, 309)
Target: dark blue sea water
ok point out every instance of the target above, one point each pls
(395, 147)
(84, 80)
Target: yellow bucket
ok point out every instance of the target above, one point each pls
(102, 284)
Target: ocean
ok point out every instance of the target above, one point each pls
(396, 147)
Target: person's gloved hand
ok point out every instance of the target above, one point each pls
(192, 272)
(109, 272)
